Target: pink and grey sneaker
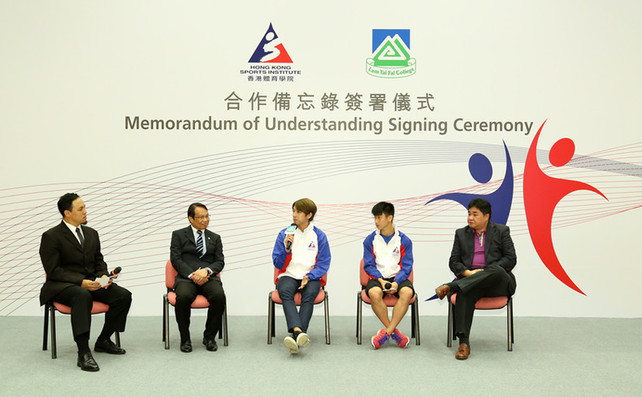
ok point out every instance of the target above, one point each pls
(400, 338)
(380, 339)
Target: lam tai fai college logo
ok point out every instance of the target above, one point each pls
(391, 54)
(270, 60)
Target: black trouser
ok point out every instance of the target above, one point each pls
(186, 292)
(81, 300)
(493, 281)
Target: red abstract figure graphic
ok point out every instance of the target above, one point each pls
(542, 193)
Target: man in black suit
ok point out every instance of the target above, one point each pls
(482, 258)
(197, 255)
(70, 254)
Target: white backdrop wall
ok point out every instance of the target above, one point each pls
(74, 72)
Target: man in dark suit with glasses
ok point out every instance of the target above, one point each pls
(197, 255)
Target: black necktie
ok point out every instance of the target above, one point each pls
(80, 237)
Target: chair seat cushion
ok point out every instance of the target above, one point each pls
(199, 303)
(495, 302)
(389, 300)
(297, 297)
(97, 307)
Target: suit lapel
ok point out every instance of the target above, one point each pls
(189, 236)
(490, 231)
(189, 233)
(208, 241)
(469, 243)
(70, 237)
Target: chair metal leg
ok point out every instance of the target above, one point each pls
(166, 321)
(356, 323)
(225, 333)
(219, 331)
(273, 324)
(415, 315)
(45, 332)
(412, 320)
(163, 325)
(52, 320)
(512, 329)
(359, 317)
(270, 325)
(509, 324)
(327, 319)
(449, 336)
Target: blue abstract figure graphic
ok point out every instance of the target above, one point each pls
(500, 200)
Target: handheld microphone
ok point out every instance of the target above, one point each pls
(289, 231)
(114, 273)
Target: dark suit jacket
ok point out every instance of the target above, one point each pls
(66, 262)
(498, 250)
(185, 259)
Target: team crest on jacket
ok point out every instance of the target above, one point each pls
(396, 251)
(312, 246)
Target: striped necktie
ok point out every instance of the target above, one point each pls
(80, 237)
(199, 243)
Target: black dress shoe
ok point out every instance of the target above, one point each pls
(86, 362)
(107, 346)
(186, 347)
(210, 344)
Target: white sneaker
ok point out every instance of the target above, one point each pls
(291, 344)
(303, 339)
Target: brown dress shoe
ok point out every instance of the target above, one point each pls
(463, 352)
(442, 291)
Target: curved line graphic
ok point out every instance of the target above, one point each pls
(136, 212)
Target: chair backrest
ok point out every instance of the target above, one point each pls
(170, 275)
(324, 279)
(365, 277)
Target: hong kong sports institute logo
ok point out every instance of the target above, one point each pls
(270, 49)
(270, 61)
(391, 54)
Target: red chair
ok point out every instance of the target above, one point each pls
(273, 297)
(50, 312)
(489, 303)
(390, 301)
(199, 303)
